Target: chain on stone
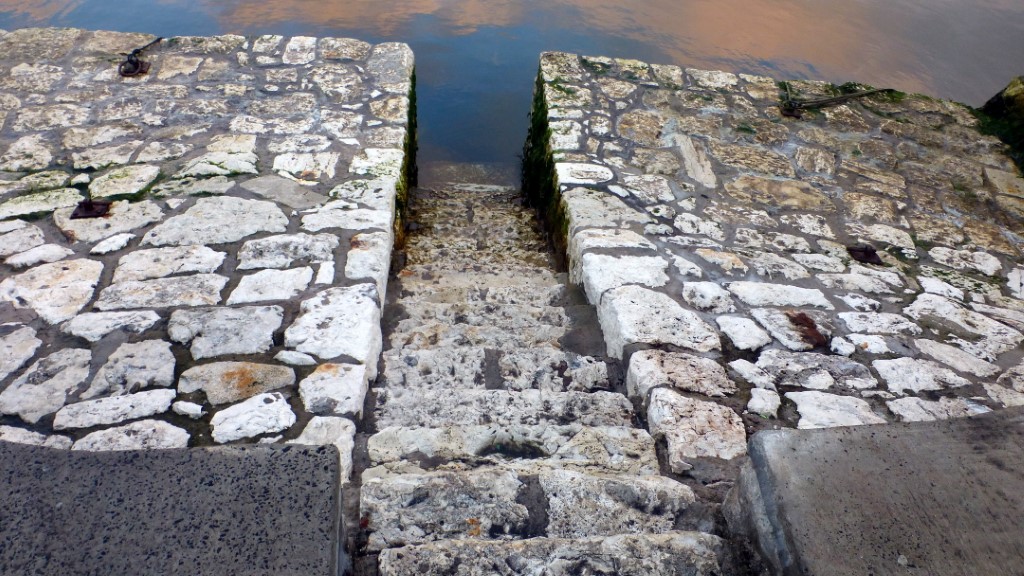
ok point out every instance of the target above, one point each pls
(133, 65)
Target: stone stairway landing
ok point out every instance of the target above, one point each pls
(497, 443)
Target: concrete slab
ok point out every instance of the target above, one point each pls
(253, 510)
(935, 498)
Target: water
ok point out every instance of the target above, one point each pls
(476, 59)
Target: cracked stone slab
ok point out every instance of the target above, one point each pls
(526, 407)
(133, 366)
(780, 324)
(225, 382)
(913, 409)
(601, 273)
(650, 369)
(17, 346)
(55, 291)
(340, 321)
(44, 254)
(973, 332)
(284, 191)
(221, 331)
(744, 333)
(44, 387)
(635, 315)
(814, 371)
(218, 220)
(197, 290)
(694, 429)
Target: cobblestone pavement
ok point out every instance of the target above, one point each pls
(497, 444)
(233, 291)
(860, 265)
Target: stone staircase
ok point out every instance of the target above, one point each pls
(499, 442)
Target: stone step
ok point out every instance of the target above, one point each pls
(438, 408)
(497, 504)
(668, 554)
(485, 314)
(437, 275)
(543, 368)
(414, 334)
(482, 260)
(611, 449)
(550, 295)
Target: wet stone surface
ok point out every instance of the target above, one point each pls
(163, 324)
(854, 263)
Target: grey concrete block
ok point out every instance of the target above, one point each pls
(246, 510)
(937, 498)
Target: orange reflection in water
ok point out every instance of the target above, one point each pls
(39, 9)
(384, 18)
(830, 39)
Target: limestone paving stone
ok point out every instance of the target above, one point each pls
(649, 369)
(287, 250)
(133, 366)
(123, 217)
(218, 220)
(340, 321)
(44, 387)
(197, 290)
(335, 389)
(635, 315)
(39, 255)
(823, 410)
(161, 262)
(93, 326)
(261, 414)
(220, 331)
(113, 410)
(266, 285)
(694, 428)
(17, 345)
(20, 239)
(225, 382)
(55, 291)
(139, 435)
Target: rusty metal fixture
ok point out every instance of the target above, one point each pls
(91, 209)
(133, 65)
(793, 108)
(864, 253)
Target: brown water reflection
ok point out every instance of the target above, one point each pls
(476, 57)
